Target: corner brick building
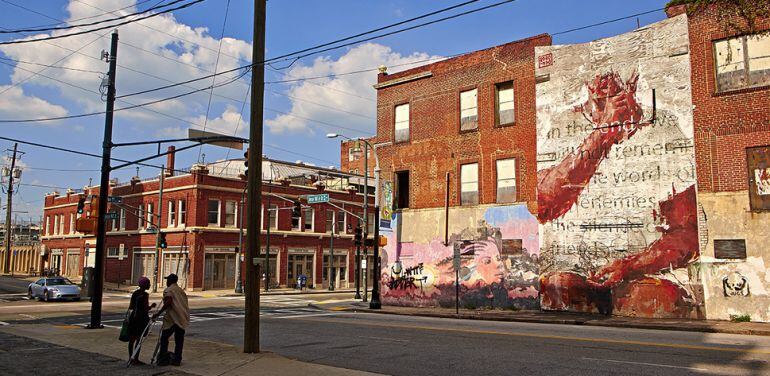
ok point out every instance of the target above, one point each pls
(730, 63)
(201, 218)
(458, 158)
(352, 157)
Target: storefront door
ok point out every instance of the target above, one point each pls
(300, 264)
(54, 264)
(177, 263)
(144, 266)
(338, 269)
(72, 263)
(219, 271)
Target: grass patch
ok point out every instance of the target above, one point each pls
(740, 318)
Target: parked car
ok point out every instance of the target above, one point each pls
(53, 288)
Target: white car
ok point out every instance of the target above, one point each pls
(53, 288)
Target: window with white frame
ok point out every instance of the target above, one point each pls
(469, 184)
(48, 225)
(140, 217)
(273, 216)
(150, 218)
(402, 123)
(72, 223)
(742, 62)
(171, 214)
(506, 180)
(116, 252)
(469, 110)
(61, 224)
(213, 212)
(308, 219)
(182, 213)
(504, 104)
(122, 219)
(370, 223)
(340, 222)
(56, 224)
(329, 222)
(230, 212)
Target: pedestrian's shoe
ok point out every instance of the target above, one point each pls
(176, 363)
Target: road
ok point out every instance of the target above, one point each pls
(312, 328)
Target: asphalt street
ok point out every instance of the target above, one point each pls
(314, 329)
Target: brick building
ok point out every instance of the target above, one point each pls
(731, 98)
(352, 157)
(25, 248)
(201, 218)
(458, 164)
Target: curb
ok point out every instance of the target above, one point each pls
(587, 322)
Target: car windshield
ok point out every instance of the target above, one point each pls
(59, 282)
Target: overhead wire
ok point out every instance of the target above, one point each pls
(53, 37)
(51, 66)
(89, 17)
(71, 26)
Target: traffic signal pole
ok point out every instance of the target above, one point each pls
(8, 211)
(158, 254)
(98, 283)
(254, 181)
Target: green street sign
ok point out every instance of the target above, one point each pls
(318, 199)
(111, 215)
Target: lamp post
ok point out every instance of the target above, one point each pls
(375, 301)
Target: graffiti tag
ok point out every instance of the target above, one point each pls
(734, 284)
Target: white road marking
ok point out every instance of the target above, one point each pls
(3, 323)
(386, 339)
(314, 315)
(646, 364)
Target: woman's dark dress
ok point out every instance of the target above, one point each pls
(140, 316)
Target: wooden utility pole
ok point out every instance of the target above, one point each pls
(8, 211)
(254, 182)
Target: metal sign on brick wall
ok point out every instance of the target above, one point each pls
(318, 199)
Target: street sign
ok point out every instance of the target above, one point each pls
(114, 199)
(318, 199)
(111, 215)
(152, 230)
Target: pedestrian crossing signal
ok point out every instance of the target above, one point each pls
(162, 240)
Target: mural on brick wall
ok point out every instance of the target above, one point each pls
(616, 180)
(498, 258)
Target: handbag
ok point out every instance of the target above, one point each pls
(124, 336)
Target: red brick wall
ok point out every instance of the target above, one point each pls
(437, 146)
(725, 123)
(355, 166)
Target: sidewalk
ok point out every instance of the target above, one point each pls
(201, 357)
(113, 287)
(569, 318)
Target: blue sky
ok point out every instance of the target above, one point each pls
(297, 114)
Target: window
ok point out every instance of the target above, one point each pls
(504, 104)
(272, 214)
(140, 217)
(122, 219)
(330, 222)
(402, 190)
(56, 225)
(61, 224)
(72, 223)
(370, 223)
(742, 62)
(469, 184)
(230, 211)
(171, 214)
(150, 218)
(213, 212)
(341, 222)
(113, 252)
(469, 104)
(307, 214)
(182, 212)
(48, 225)
(402, 123)
(506, 180)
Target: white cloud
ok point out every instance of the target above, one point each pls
(342, 92)
(226, 124)
(134, 38)
(14, 104)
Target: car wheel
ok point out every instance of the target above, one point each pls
(45, 296)
(29, 295)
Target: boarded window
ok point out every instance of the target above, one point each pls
(730, 248)
(742, 62)
(469, 110)
(469, 184)
(758, 163)
(506, 180)
(402, 190)
(504, 103)
(402, 123)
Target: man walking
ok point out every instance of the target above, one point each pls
(175, 321)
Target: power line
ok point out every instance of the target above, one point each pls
(89, 17)
(337, 126)
(608, 21)
(50, 66)
(60, 169)
(52, 37)
(68, 27)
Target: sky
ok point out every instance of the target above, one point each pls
(216, 35)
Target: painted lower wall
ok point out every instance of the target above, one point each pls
(498, 264)
(735, 287)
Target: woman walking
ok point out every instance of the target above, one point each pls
(139, 317)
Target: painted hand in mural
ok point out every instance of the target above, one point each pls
(616, 115)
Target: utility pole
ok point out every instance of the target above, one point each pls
(156, 272)
(375, 303)
(96, 299)
(267, 237)
(332, 281)
(254, 180)
(366, 216)
(8, 211)
(238, 284)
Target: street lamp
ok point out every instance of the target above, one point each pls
(375, 301)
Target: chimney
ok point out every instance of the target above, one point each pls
(170, 160)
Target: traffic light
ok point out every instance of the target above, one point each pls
(296, 211)
(81, 204)
(246, 163)
(162, 240)
(358, 235)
